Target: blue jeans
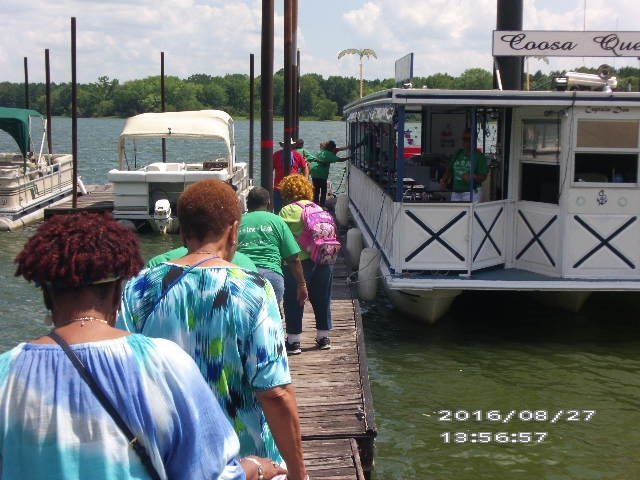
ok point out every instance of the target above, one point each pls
(276, 280)
(277, 201)
(319, 191)
(318, 278)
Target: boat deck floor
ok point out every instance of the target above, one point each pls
(501, 274)
(507, 279)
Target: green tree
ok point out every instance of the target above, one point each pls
(213, 95)
(474, 79)
(440, 80)
(180, 95)
(341, 90)
(325, 109)
(236, 88)
(310, 91)
(278, 93)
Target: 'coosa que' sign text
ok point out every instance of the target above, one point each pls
(566, 44)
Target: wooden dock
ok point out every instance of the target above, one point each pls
(333, 391)
(332, 386)
(99, 198)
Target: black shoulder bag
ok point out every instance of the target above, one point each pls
(108, 406)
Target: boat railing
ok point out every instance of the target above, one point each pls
(430, 236)
(451, 236)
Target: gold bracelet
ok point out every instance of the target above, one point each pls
(258, 464)
(303, 284)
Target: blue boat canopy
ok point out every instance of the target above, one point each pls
(15, 121)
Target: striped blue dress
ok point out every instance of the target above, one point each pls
(52, 426)
(227, 319)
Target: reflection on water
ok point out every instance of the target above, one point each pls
(501, 352)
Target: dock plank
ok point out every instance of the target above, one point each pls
(332, 387)
(333, 459)
(99, 198)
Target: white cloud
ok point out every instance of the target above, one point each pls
(123, 38)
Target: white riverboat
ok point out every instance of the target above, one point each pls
(30, 179)
(157, 153)
(558, 213)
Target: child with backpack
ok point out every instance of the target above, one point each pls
(316, 233)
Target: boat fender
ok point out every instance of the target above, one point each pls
(354, 246)
(5, 224)
(81, 186)
(368, 273)
(342, 210)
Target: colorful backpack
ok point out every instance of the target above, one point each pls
(319, 236)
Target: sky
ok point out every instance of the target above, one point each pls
(123, 39)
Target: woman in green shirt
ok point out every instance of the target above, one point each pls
(320, 169)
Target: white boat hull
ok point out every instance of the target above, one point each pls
(25, 195)
(425, 306)
(137, 191)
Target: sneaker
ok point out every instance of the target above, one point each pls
(323, 343)
(293, 348)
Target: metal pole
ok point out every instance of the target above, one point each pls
(47, 72)
(509, 18)
(360, 76)
(74, 115)
(266, 95)
(288, 130)
(26, 84)
(162, 104)
(296, 96)
(295, 70)
(251, 110)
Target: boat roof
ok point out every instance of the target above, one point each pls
(15, 121)
(214, 124)
(372, 107)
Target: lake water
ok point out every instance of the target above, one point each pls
(533, 393)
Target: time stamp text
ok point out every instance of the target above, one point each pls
(539, 418)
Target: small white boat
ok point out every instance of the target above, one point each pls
(558, 213)
(160, 154)
(30, 182)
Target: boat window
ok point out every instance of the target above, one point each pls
(607, 134)
(375, 151)
(606, 151)
(540, 183)
(540, 140)
(540, 160)
(606, 168)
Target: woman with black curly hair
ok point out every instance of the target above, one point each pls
(56, 424)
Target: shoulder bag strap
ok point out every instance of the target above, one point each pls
(187, 270)
(108, 406)
(170, 286)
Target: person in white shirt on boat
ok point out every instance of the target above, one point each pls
(465, 186)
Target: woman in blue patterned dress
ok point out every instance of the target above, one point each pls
(226, 318)
(53, 426)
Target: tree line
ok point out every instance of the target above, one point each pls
(320, 98)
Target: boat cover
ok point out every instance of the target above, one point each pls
(15, 121)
